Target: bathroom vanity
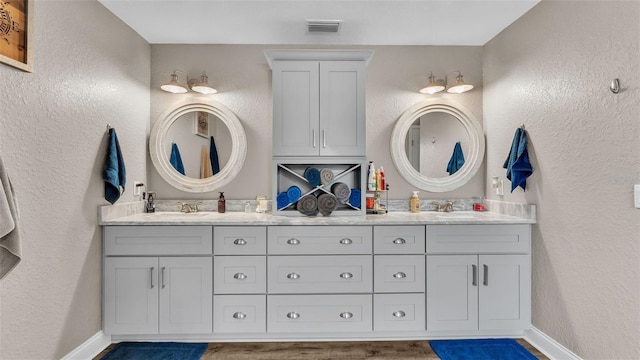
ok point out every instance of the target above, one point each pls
(239, 276)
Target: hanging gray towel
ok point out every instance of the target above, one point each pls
(10, 248)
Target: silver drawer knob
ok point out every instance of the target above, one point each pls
(240, 242)
(346, 315)
(399, 241)
(293, 315)
(239, 276)
(400, 275)
(293, 276)
(346, 241)
(239, 315)
(293, 241)
(399, 314)
(346, 275)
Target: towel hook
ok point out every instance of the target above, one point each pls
(521, 126)
(109, 127)
(615, 86)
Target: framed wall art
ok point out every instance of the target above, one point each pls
(16, 28)
(202, 124)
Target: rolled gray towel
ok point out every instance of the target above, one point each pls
(326, 176)
(327, 203)
(342, 192)
(308, 205)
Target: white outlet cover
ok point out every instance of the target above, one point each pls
(636, 195)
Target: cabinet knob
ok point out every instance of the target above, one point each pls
(346, 275)
(346, 315)
(239, 315)
(240, 242)
(399, 314)
(400, 275)
(399, 241)
(293, 241)
(239, 276)
(293, 276)
(293, 315)
(346, 241)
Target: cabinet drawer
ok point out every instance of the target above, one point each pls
(311, 240)
(320, 274)
(239, 275)
(157, 240)
(399, 273)
(318, 313)
(239, 240)
(239, 313)
(478, 239)
(398, 239)
(398, 312)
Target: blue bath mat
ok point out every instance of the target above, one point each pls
(480, 349)
(156, 351)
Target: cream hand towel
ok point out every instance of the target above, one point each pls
(10, 249)
(205, 164)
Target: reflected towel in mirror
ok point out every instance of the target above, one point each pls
(517, 163)
(205, 164)
(114, 175)
(457, 159)
(176, 159)
(213, 155)
(10, 247)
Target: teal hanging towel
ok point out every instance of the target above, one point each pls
(517, 163)
(457, 159)
(176, 159)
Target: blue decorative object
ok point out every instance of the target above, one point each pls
(115, 175)
(282, 199)
(294, 193)
(517, 163)
(176, 159)
(457, 159)
(313, 176)
(156, 351)
(480, 349)
(355, 199)
(213, 155)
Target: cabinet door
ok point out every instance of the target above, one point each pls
(452, 292)
(296, 114)
(505, 292)
(131, 295)
(342, 108)
(186, 295)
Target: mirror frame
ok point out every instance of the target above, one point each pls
(160, 158)
(473, 160)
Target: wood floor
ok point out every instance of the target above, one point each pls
(372, 350)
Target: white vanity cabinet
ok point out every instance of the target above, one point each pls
(157, 280)
(478, 278)
(318, 108)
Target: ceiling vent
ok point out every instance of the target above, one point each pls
(324, 26)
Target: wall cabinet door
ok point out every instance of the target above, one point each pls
(131, 295)
(319, 108)
(186, 295)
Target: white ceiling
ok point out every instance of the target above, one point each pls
(371, 22)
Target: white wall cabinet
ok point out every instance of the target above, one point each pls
(319, 108)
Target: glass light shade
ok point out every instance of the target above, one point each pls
(173, 86)
(433, 86)
(203, 86)
(460, 86)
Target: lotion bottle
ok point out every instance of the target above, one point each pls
(414, 205)
(371, 179)
(222, 206)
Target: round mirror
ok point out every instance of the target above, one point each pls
(437, 145)
(198, 147)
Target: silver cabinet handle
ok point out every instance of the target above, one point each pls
(240, 242)
(163, 276)
(293, 315)
(293, 241)
(346, 275)
(239, 276)
(239, 315)
(346, 315)
(399, 314)
(400, 275)
(293, 276)
(313, 135)
(324, 139)
(346, 241)
(151, 274)
(399, 241)
(474, 275)
(485, 277)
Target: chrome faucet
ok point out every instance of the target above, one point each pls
(187, 208)
(446, 206)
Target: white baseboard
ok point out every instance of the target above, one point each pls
(551, 348)
(90, 348)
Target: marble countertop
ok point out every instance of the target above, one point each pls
(241, 218)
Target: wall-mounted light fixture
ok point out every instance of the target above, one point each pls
(200, 86)
(435, 86)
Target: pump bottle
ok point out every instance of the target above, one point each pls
(414, 204)
(222, 206)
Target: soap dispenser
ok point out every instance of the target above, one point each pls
(414, 205)
(222, 206)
